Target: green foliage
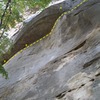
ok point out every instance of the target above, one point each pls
(14, 12)
(3, 72)
(5, 45)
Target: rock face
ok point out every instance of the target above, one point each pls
(38, 27)
(63, 66)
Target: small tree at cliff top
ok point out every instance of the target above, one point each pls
(11, 12)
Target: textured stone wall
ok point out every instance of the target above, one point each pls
(63, 66)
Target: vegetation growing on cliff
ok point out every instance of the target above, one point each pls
(11, 12)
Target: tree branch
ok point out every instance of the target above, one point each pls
(3, 15)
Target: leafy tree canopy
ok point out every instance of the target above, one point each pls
(11, 12)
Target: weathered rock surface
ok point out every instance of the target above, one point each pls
(64, 66)
(38, 27)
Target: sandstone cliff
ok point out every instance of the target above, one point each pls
(63, 66)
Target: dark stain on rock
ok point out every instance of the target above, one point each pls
(90, 62)
(61, 95)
